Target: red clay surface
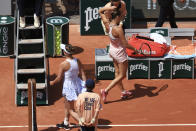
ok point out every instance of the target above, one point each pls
(175, 104)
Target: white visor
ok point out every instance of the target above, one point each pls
(63, 47)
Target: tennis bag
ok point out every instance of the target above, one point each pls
(146, 46)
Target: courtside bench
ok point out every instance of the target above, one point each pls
(145, 68)
(166, 32)
(189, 32)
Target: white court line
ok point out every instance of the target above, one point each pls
(125, 125)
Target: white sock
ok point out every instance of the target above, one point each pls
(124, 91)
(66, 121)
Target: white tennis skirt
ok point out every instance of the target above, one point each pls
(72, 88)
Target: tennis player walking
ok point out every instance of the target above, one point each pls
(118, 43)
(119, 5)
(71, 70)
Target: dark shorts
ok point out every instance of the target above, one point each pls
(86, 128)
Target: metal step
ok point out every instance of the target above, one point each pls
(25, 86)
(27, 56)
(30, 71)
(30, 27)
(30, 41)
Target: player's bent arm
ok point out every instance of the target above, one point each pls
(82, 74)
(105, 21)
(124, 41)
(78, 103)
(98, 106)
(93, 120)
(124, 11)
(106, 8)
(102, 12)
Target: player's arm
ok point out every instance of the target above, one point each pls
(123, 39)
(62, 68)
(78, 110)
(98, 107)
(82, 74)
(106, 21)
(123, 10)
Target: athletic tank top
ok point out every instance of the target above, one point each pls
(114, 41)
(73, 71)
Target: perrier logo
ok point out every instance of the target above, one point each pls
(91, 14)
(140, 66)
(105, 68)
(181, 67)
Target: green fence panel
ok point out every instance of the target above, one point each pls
(183, 68)
(105, 70)
(22, 97)
(7, 35)
(90, 22)
(162, 31)
(138, 69)
(160, 69)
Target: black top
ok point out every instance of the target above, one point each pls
(165, 2)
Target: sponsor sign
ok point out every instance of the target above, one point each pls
(6, 35)
(162, 31)
(90, 21)
(22, 97)
(105, 70)
(160, 69)
(183, 68)
(138, 69)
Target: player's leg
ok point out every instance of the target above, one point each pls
(72, 111)
(67, 108)
(65, 123)
(104, 92)
(38, 10)
(21, 8)
(116, 67)
(172, 19)
(162, 17)
(122, 73)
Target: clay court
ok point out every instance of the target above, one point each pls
(156, 105)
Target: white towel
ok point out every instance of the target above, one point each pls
(158, 38)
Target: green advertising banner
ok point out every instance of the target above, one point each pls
(7, 35)
(22, 97)
(162, 31)
(138, 69)
(90, 22)
(105, 70)
(183, 68)
(160, 69)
